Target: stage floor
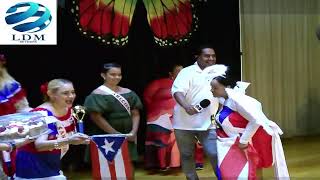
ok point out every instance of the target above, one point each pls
(302, 154)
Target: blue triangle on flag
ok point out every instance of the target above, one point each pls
(108, 145)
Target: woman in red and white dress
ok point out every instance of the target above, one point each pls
(247, 140)
(41, 159)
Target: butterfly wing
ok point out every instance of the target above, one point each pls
(106, 20)
(171, 21)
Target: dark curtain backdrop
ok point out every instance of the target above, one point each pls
(79, 58)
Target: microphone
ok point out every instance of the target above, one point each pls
(203, 104)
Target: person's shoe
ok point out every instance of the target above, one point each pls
(165, 169)
(199, 166)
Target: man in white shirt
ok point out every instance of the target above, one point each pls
(191, 86)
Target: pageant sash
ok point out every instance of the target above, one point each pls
(120, 98)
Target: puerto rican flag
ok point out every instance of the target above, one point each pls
(264, 149)
(234, 163)
(110, 157)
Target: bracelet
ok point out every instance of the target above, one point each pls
(56, 145)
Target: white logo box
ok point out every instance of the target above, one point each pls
(46, 36)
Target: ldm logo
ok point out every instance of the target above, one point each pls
(28, 17)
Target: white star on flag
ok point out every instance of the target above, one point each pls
(108, 146)
(110, 157)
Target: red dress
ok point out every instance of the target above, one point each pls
(161, 147)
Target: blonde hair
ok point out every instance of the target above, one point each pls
(5, 77)
(54, 85)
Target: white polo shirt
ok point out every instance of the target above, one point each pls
(194, 83)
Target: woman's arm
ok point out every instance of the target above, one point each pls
(43, 144)
(135, 120)
(102, 123)
(249, 112)
(249, 132)
(135, 115)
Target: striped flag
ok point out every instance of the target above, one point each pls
(110, 157)
(234, 163)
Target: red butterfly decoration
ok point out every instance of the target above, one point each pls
(171, 21)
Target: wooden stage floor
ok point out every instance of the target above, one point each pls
(302, 154)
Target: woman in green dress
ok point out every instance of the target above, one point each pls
(111, 113)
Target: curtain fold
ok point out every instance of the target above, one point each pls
(281, 58)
